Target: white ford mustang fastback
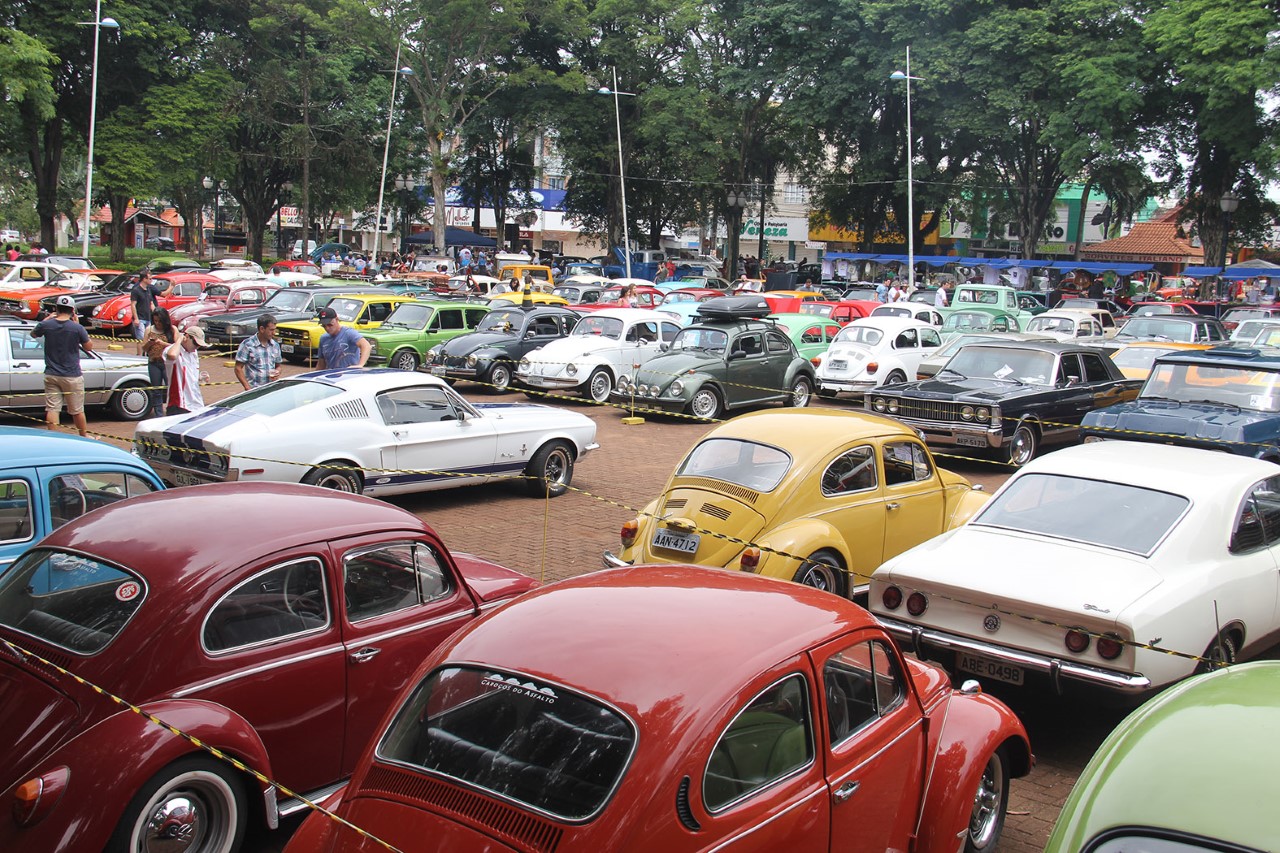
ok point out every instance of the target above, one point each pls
(376, 432)
(1092, 564)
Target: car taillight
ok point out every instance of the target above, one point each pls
(917, 603)
(629, 531)
(891, 598)
(1109, 648)
(36, 797)
(872, 367)
(750, 559)
(1077, 641)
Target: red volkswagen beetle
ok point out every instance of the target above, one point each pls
(183, 287)
(677, 708)
(276, 623)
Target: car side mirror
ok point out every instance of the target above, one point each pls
(1073, 380)
(737, 354)
(664, 346)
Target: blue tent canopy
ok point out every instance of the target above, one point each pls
(1237, 274)
(1101, 266)
(1200, 272)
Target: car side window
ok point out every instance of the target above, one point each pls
(1068, 369)
(669, 332)
(851, 471)
(750, 344)
(418, 405)
(387, 578)
(474, 318)
(16, 522)
(860, 684)
(768, 740)
(906, 339)
(22, 345)
(72, 495)
(930, 338)
(905, 462)
(377, 312)
(546, 327)
(1258, 522)
(281, 602)
(1213, 333)
(647, 332)
(778, 342)
(811, 335)
(1094, 369)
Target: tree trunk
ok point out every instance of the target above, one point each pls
(440, 189)
(119, 206)
(1084, 210)
(46, 161)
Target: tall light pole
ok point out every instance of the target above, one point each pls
(911, 212)
(1229, 202)
(403, 185)
(386, 146)
(97, 23)
(214, 185)
(736, 201)
(622, 172)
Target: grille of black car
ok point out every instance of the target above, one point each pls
(929, 410)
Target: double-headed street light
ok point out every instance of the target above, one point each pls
(622, 172)
(736, 201)
(911, 213)
(1229, 202)
(395, 73)
(97, 23)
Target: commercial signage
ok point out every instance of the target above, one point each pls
(783, 228)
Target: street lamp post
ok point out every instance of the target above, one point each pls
(215, 186)
(395, 72)
(97, 23)
(285, 189)
(736, 200)
(911, 213)
(1229, 202)
(403, 185)
(622, 172)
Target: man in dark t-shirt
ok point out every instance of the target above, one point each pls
(143, 298)
(64, 338)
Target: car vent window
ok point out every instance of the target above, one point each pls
(282, 602)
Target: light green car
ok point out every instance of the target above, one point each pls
(413, 328)
(1193, 769)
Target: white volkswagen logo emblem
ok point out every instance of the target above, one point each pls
(991, 623)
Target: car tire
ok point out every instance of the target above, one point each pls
(194, 793)
(500, 378)
(550, 471)
(599, 385)
(990, 804)
(822, 570)
(1023, 445)
(131, 401)
(335, 475)
(800, 394)
(405, 359)
(895, 377)
(706, 404)
(1221, 651)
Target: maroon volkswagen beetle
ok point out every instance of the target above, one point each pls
(678, 708)
(276, 623)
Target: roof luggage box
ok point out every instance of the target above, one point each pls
(734, 308)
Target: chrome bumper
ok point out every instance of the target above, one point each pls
(183, 476)
(954, 435)
(613, 561)
(917, 637)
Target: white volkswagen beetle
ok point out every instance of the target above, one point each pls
(1119, 564)
(1065, 324)
(875, 351)
(604, 345)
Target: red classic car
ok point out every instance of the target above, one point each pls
(282, 646)
(843, 312)
(27, 303)
(117, 314)
(227, 298)
(306, 267)
(679, 708)
(647, 296)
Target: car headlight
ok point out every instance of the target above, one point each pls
(879, 404)
(893, 406)
(218, 460)
(966, 413)
(120, 314)
(571, 369)
(624, 382)
(434, 353)
(237, 330)
(677, 388)
(983, 414)
(472, 361)
(373, 345)
(97, 309)
(525, 364)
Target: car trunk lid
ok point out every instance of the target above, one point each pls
(705, 521)
(35, 714)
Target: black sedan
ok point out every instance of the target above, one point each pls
(490, 354)
(1008, 397)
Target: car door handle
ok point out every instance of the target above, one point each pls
(366, 654)
(891, 505)
(845, 791)
(23, 364)
(399, 433)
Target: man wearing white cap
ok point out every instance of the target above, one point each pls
(63, 379)
(182, 361)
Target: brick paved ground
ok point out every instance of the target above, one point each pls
(563, 537)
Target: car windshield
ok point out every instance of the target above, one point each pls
(410, 316)
(953, 345)
(1250, 330)
(1111, 515)
(816, 308)
(1025, 366)
(892, 311)
(217, 291)
(346, 309)
(280, 397)
(699, 338)
(755, 466)
(676, 296)
(981, 297)
(1235, 315)
(520, 738)
(1159, 329)
(1064, 325)
(1238, 387)
(1152, 310)
(69, 600)
(1138, 357)
(608, 327)
(504, 322)
(289, 299)
(857, 334)
(967, 321)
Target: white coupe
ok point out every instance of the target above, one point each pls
(377, 432)
(603, 346)
(1117, 564)
(875, 351)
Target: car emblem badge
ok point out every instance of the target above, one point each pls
(991, 623)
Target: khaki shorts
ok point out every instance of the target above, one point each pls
(69, 387)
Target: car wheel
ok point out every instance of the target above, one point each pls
(706, 404)
(800, 394)
(406, 359)
(599, 385)
(822, 570)
(895, 377)
(550, 470)
(1023, 445)
(990, 801)
(131, 402)
(1221, 651)
(336, 476)
(196, 805)
(500, 377)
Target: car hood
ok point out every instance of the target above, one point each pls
(122, 361)
(710, 512)
(1191, 420)
(34, 716)
(665, 367)
(250, 317)
(469, 343)
(968, 390)
(573, 348)
(1035, 574)
(217, 424)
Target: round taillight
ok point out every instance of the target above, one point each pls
(917, 603)
(1109, 648)
(629, 531)
(750, 559)
(872, 367)
(891, 598)
(1077, 641)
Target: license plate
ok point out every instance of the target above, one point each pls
(970, 440)
(182, 478)
(839, 364)
(999, 670)
(685, 543)
(286, 348)
(439, 370)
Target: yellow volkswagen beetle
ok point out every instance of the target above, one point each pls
(820, 496)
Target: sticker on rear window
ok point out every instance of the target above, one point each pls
(128, 591)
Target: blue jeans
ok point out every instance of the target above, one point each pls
(155, 371)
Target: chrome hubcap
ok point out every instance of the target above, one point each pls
(174, 826)
(986, 804)
(800, 395)
(557, 466)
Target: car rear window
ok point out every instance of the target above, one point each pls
(759, 467)
(530, 741)
(68, 600)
